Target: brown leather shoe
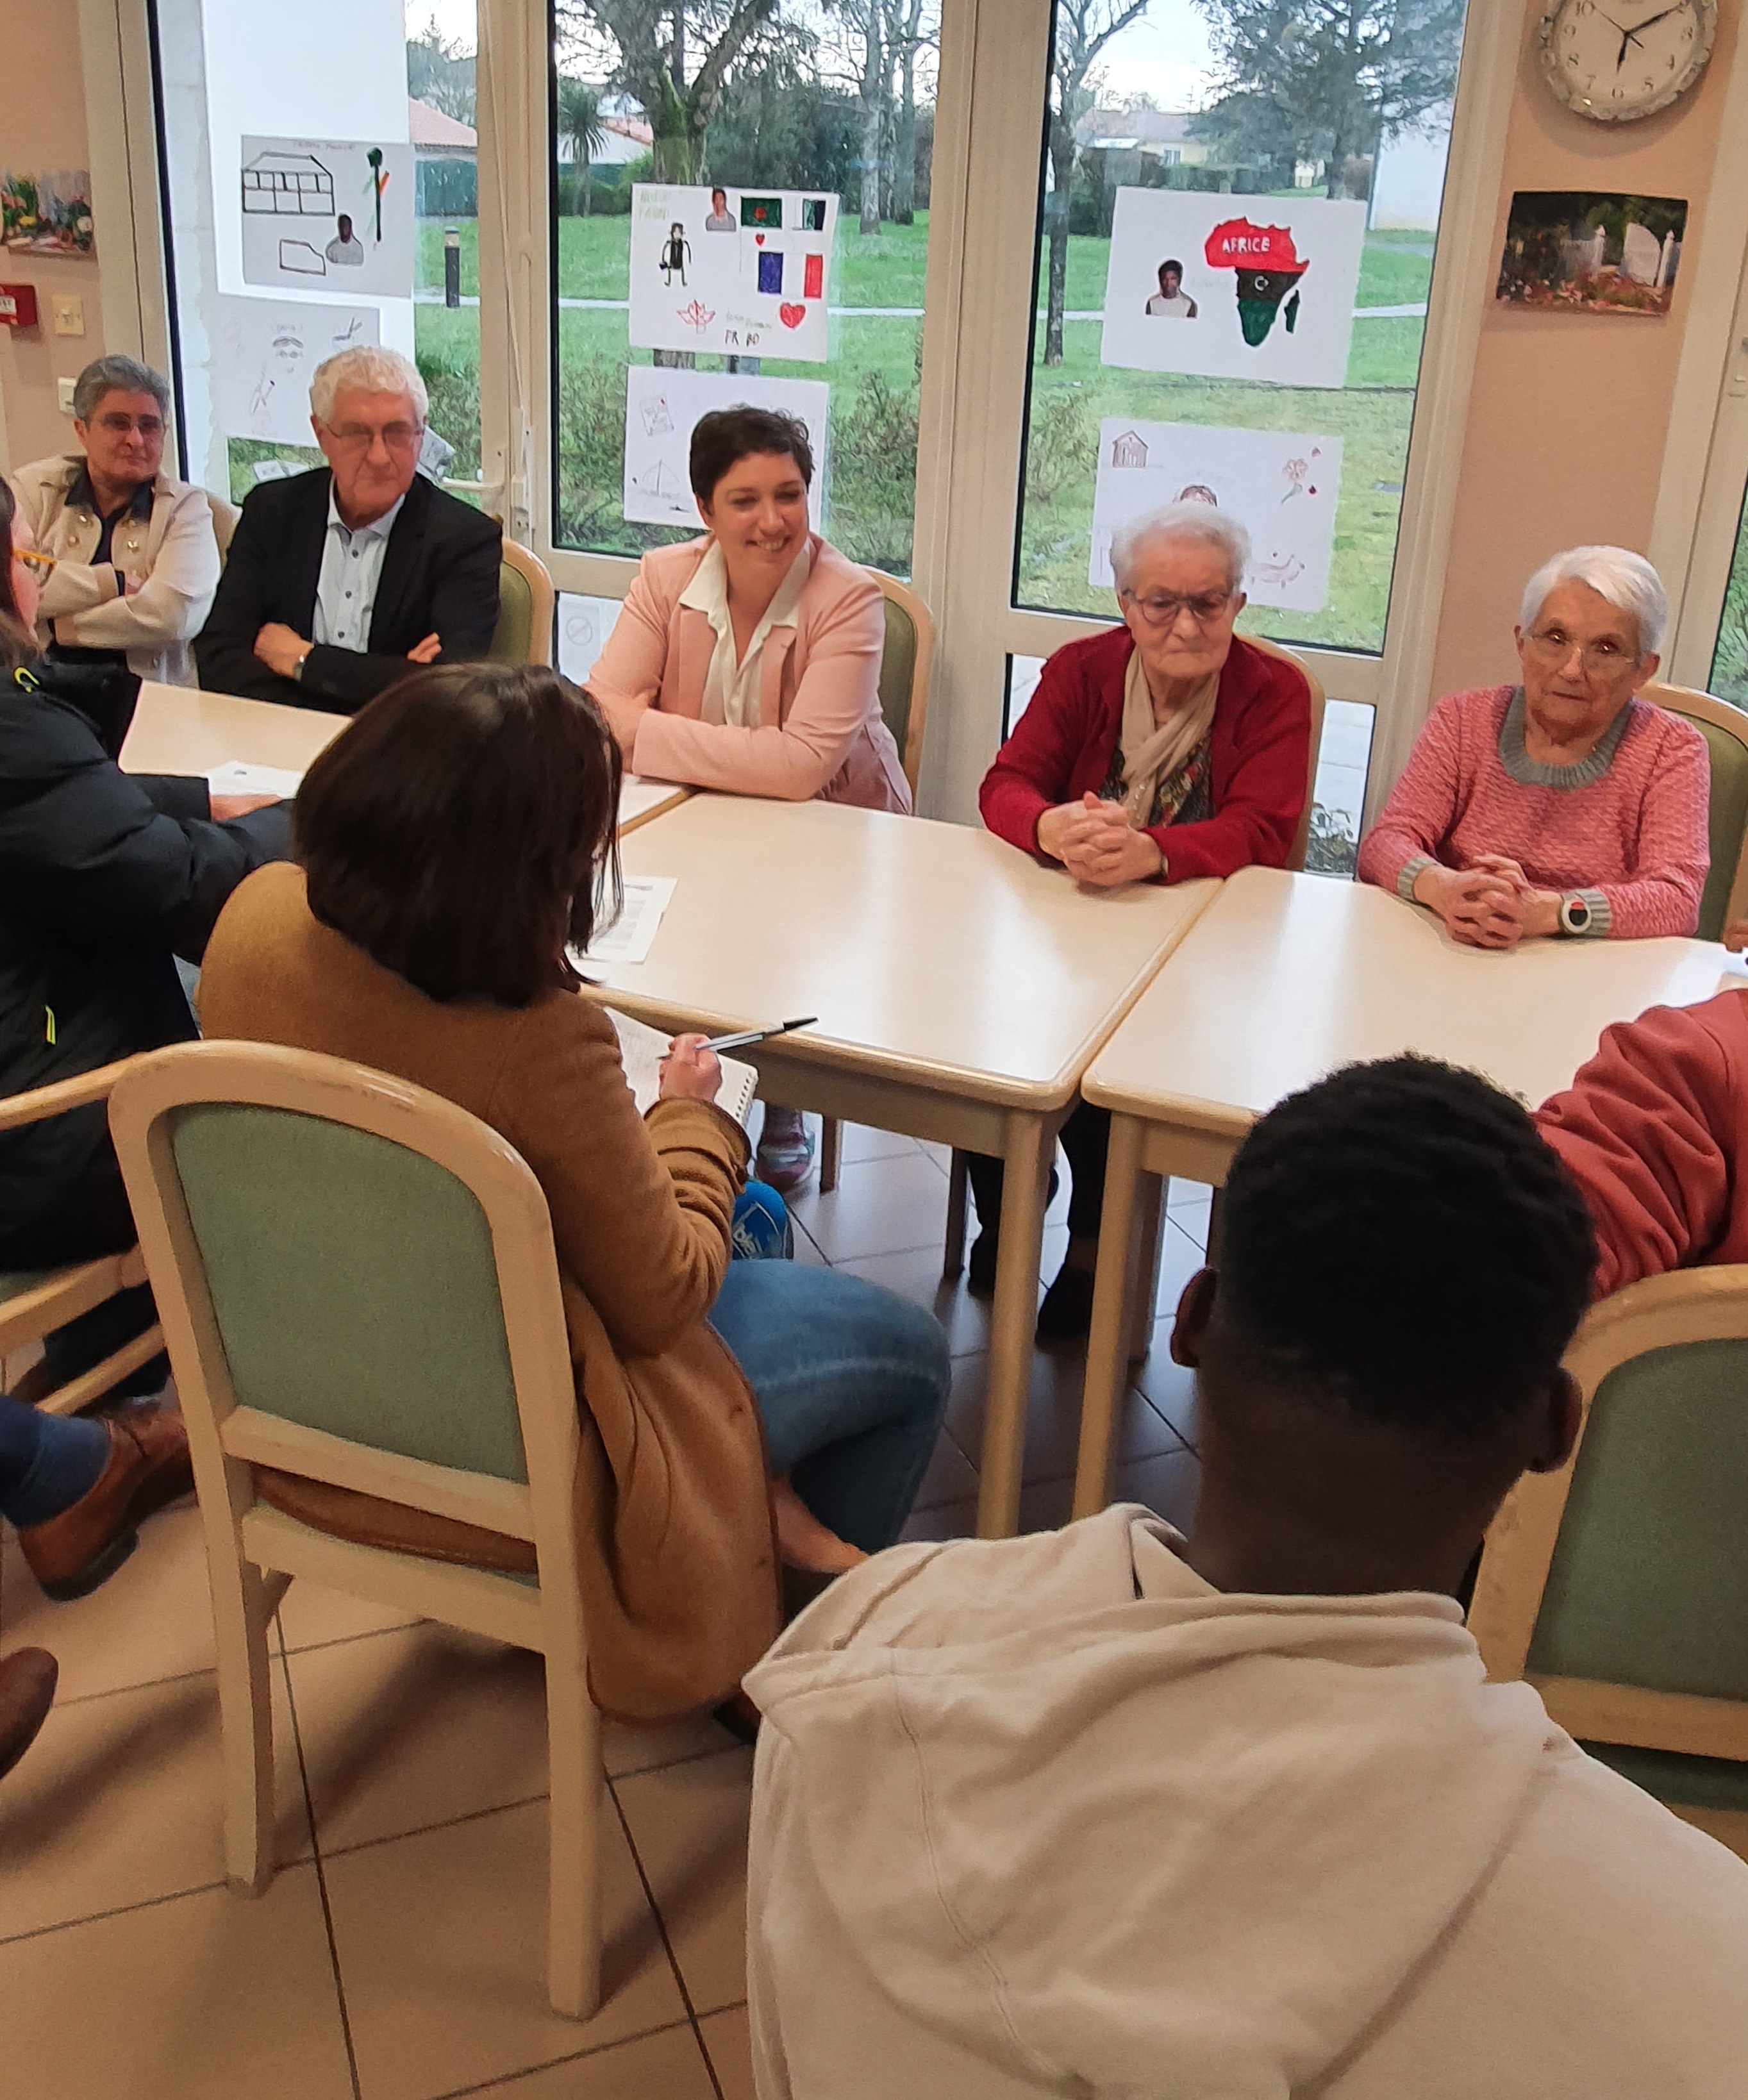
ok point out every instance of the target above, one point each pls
(27, 1692)
(70, 1554)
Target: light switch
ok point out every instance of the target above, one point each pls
(63, 392)
(69, 310)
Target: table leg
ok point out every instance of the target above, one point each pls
(1150, 1242)
(1107, 1344)
(958, 1180)
(1031, 1144)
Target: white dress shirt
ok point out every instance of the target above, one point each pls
(731, 686)
(345, 593)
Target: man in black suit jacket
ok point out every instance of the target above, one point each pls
(339, 580)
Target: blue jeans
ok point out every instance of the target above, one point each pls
(850, 1381)
(47, 1462)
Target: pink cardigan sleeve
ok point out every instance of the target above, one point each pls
(838, 692)
(1674, 849)
(1422, 806)
(629, 668)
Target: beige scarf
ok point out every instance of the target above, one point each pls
(1151, 752)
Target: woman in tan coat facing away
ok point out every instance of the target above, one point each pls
(452, 843)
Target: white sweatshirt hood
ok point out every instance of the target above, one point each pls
(1162, 1839)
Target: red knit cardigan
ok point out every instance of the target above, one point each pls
(1260, 747)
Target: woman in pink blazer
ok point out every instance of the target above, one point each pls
(748, 661)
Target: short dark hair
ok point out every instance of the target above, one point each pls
(1171, 263)
(1399, 1242)
(462, 830)
(727, 435)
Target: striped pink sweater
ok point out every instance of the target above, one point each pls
(1625, 828)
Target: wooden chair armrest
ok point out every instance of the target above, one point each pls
(44, 1101)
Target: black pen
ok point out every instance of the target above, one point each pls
(758, 1034)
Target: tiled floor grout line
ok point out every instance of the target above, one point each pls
(667, 1942)
(321, 1877)
(118, 1910)
(578, 2056)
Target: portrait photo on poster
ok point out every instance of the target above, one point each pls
(1233, 287)
(1591, 251)
(263, 354)
(334, 215)
(663, 406)
(741, 273)
(1281, 485)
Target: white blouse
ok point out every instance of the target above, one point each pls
(731, 688)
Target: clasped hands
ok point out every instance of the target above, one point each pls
(1492, 905)
(1096, 842)
(282, 649)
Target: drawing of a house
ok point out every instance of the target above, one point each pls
(287, 185)
(1129, 450)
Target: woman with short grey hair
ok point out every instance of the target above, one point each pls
(1167, 748)
(135, 557)
(1564, 805)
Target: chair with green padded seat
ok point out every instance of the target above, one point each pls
(358, 1285)
(1616, 1585)
(1725, 729)
(523, 634)
(34, 1302)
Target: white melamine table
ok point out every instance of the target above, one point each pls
(1285, 978)
(179, 728)
(961, 989)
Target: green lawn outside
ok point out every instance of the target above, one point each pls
(872, 373)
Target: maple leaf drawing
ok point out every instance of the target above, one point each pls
(697, 316)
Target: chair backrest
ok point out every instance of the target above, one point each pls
(1616, 1585)
(225, 517)
(1302, 836)
(1725, 729)
(340, 1252)
(905, 667)
(523, 634)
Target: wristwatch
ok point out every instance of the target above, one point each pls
(297, 669)
(1574, 914)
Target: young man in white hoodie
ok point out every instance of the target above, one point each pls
(1111, 1811)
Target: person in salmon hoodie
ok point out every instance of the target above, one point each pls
(1110, 1811)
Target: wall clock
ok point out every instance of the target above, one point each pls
(1615, 60)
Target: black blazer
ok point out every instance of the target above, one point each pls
(439, 575)
(105, 878)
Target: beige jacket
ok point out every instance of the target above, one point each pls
(85, 605)
(1051, 1816)
(678, 1571)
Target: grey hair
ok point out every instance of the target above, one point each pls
(117, 375)
(366, 364)
(1627, 581)
(1198, 522)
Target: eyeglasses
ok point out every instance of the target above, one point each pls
(1553, 644)
(1162, 610)
(118, 425)
(360, 437)
(34, 558)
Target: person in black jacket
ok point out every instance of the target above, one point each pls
(340, 581)
(106, 878)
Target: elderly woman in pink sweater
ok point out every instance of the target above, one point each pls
(1563, 805)
(748, 661)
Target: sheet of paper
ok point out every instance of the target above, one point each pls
(641, 1049)
(331, 215)
(662, 406)
(1233, 287)
(263, 355)
(1282, 486)
(631, 935)
(638, 796)
(746, 273)
(238, 777)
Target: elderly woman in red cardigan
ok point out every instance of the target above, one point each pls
(1562, 805)
(1167, 748)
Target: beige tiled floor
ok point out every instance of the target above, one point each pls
(400, 1955)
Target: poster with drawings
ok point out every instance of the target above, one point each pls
(1281, 485)
(746, 273)
(333, 215)
(1233, 287)
(265, 353)
(663, 404)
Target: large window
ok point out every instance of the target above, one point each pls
(1223, 187)
(1729, 662)
(796, 148)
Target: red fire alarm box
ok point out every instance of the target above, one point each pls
(18, 305)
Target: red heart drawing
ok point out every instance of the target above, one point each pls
(758, 240)
(791, 316)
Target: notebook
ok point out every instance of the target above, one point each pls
(641, 1048)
